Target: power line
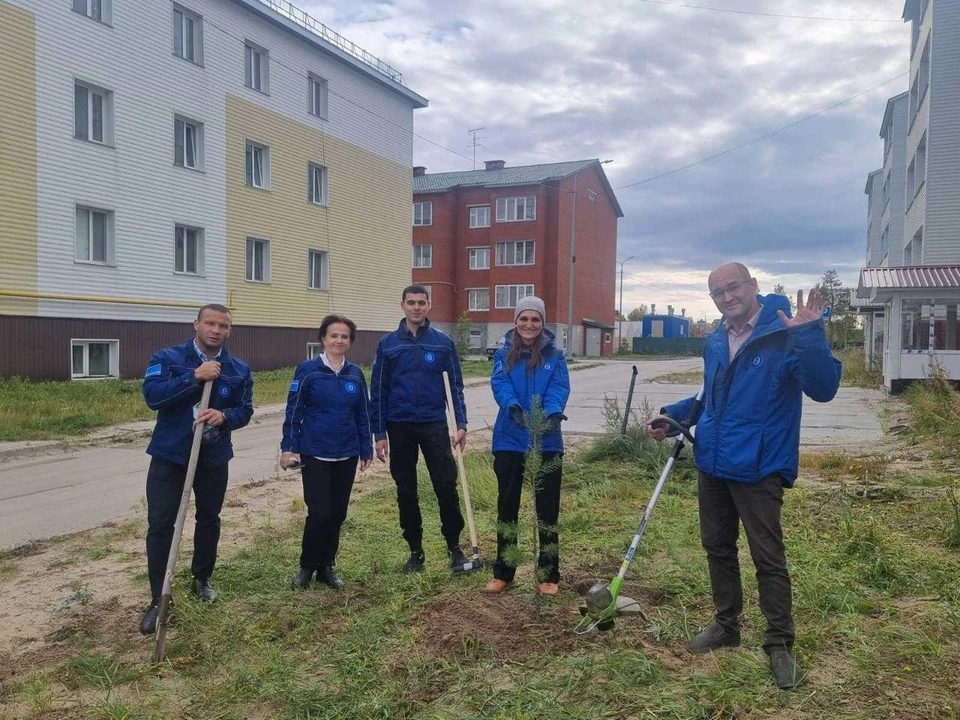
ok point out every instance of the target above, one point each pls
(766, 14)
(767, 136)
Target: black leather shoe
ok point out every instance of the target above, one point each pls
(204, 590)
(328, 576)
(713, 637)
(148, 625)
(786, 673)
(414, 563)
(457, 558)
(301, 581)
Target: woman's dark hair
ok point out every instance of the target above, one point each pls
(331, 319)
(516, 349)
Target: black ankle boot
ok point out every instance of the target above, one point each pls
(301, 581)
(328, 576)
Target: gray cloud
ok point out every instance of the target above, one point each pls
(655, 88)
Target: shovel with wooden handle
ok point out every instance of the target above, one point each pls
(158, 651)
(474, 563)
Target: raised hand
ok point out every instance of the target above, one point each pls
(808, 313)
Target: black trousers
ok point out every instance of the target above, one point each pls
(509, 467)
(164, 487)
(723, 505)
(326, 491)
(433, 440)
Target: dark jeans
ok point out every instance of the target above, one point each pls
(723, 505)
(509, 467)
(433, 439)
(326, 490)
(164, 488)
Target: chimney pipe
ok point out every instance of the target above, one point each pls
(494, 164)
(419, 170)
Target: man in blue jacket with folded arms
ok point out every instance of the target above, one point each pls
(408, 412)
(172, 386)
(757, 366)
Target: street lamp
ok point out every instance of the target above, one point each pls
(573, 259)
(620, 331)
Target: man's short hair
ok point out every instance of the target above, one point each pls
(216, 307)
(744, 270)
(414, 290)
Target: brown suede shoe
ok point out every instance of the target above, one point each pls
(548, 588)
(496, 586)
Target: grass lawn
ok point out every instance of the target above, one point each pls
(876, 593)
(43, 410)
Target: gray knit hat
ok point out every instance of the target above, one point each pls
(530, 302)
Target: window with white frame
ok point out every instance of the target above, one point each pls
(100, 10)
(187, 143)
(318, 270)
(94, 358)
(480, 258)
(476, 338)
(423, 213)
(93, 113)
(187, 35)
(319, 95)
(515, 252)
(257, 165)
(257, 67)
(94, 235)
(478, 299)
(508, 295)
(591, 196)
(517, 209)
(188, 250)
(480, 216)
(258, 260)
(314, 350)
(423, 256)
(317, 184)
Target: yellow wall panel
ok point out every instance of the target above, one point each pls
(366, 227)
(18, 159)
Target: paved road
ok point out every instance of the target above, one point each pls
(54, 491)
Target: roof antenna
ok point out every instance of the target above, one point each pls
(474, 144)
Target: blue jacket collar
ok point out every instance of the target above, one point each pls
(402, 327)
(222, 356)
(769, 322)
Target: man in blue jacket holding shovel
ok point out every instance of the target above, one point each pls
(757, 366)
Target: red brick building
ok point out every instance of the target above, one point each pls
(484, 238)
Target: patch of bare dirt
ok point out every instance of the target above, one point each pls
(92, 583)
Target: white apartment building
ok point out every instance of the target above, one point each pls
(918, 282)
(170, 154)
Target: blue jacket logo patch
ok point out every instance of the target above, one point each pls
(350, 387)
(430, 357)
(547, 366)
(758, 361)
(153, 370)
(224, 390)
(294, 386)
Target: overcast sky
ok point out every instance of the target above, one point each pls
(653, 88)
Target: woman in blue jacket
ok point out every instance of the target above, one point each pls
(528, 366)
(327, 433)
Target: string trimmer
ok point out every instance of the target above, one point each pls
(603, 602)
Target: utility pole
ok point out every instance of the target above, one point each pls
(620, 331)
(573, 257)
(473, 134)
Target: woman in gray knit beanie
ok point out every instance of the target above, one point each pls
(528, 369)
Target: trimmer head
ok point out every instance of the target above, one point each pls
(600, 602)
